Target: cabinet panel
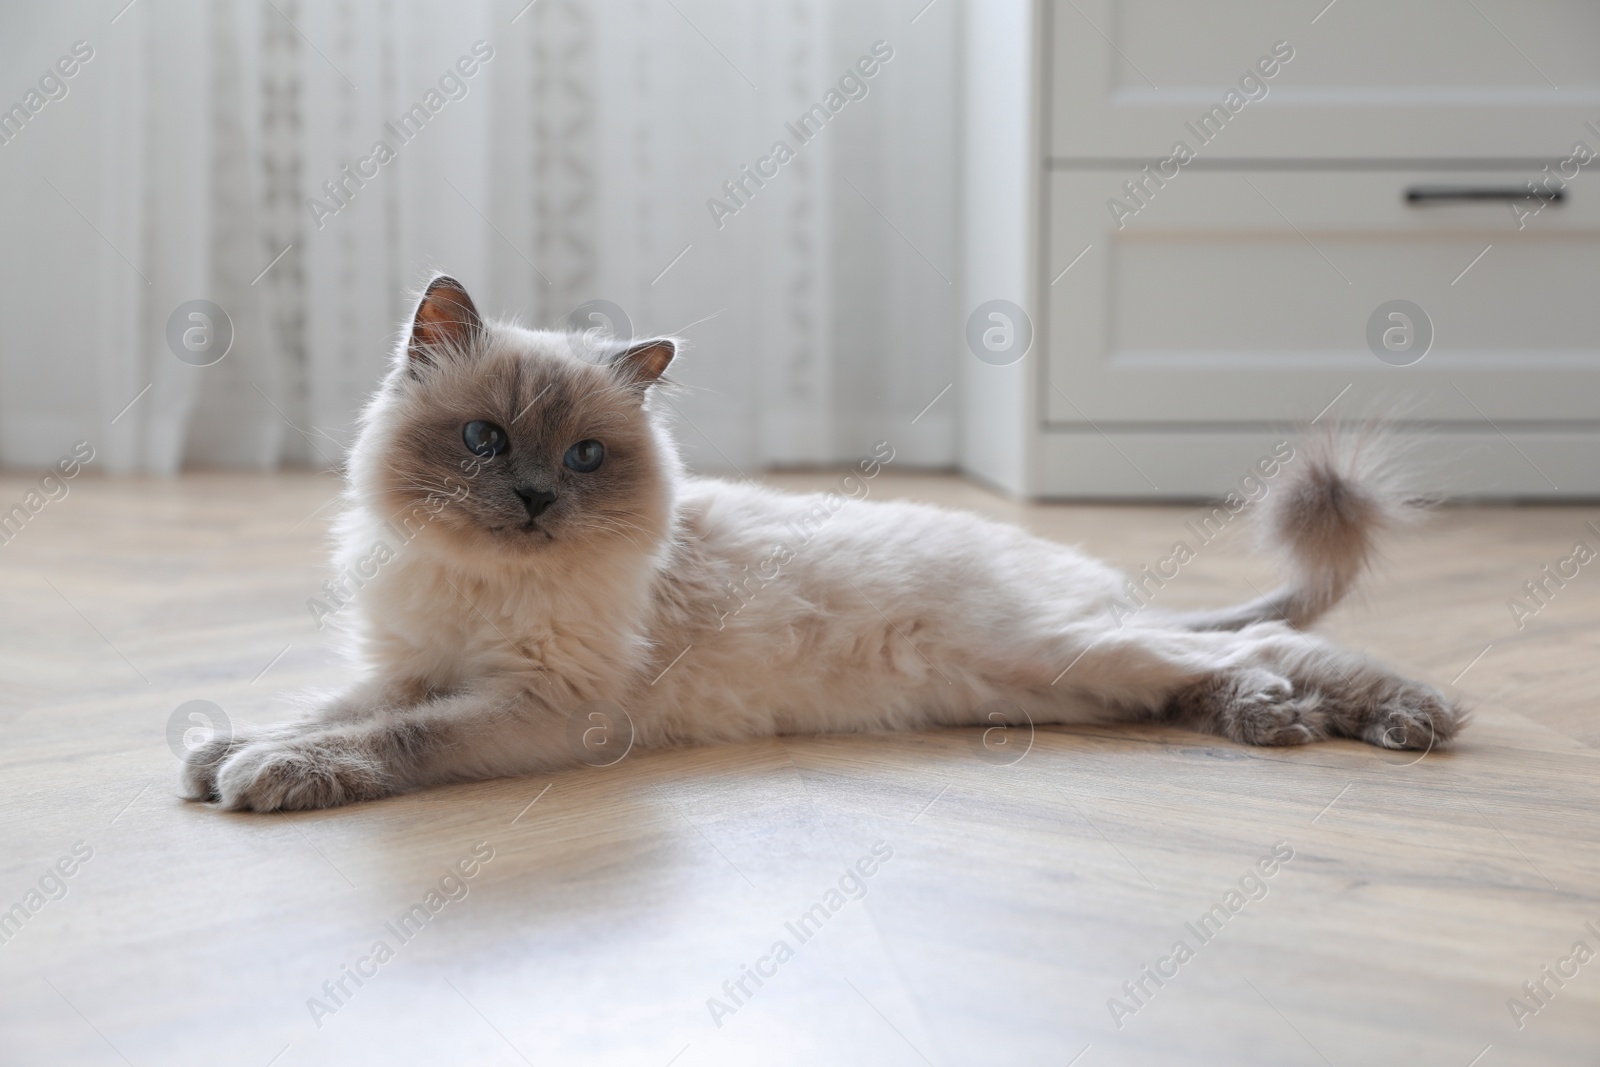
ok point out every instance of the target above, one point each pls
(1368, 79)
(1247, 297)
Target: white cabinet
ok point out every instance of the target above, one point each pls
(1191, 304)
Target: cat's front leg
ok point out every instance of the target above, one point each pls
(485, 733)
(376, 696)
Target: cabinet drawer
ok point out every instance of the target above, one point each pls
(1440, 79)
(1246, 296)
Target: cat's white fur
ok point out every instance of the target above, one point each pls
(888, 616)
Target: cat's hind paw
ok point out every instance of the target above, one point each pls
(1414, 716)
(1254, 706)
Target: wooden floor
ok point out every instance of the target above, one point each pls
(1015, 902)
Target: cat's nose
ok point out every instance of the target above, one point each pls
(535, 500)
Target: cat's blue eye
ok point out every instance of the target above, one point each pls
(484, 438)
(585, 456)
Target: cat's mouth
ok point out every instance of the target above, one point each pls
(519, 526)
(527, 528)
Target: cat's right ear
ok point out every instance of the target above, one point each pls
(446, 323)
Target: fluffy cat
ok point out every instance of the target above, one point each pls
(541, 578)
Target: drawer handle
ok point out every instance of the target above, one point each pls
(1433, 194)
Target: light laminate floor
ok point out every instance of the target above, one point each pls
(1014, 902)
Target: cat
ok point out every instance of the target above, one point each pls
(559, 578)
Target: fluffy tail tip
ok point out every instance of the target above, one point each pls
(1341, 491)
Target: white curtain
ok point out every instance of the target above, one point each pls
(201, 154)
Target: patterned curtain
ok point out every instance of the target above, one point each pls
(302, 165)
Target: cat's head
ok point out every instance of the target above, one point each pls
(507, 441)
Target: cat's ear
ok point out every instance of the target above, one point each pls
(642, 364)
(446, 321)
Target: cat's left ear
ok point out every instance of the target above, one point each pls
(643, 364)
(446, 321)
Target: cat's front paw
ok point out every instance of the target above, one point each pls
(298, 774)
(197, 777)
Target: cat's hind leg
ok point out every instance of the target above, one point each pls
(1370, 701)
(1132, 673)
(1306, 689)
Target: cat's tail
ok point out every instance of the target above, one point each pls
(1324, 515)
